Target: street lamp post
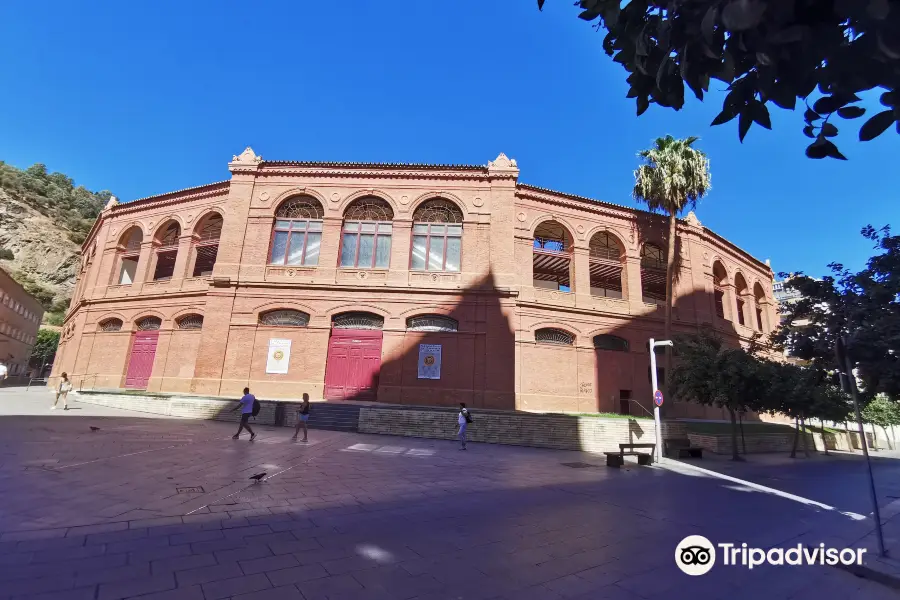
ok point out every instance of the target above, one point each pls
(653, 379)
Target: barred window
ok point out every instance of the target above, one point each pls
(432, 323)
(149, 324)
(554, 336)
(437, 231)
(111, 325)
(357, 320)
(297, 236)
(193, 321)
(366, 234)
(610, 342)
(284, 318)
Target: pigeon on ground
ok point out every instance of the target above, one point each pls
(258, 476)
(94, 428)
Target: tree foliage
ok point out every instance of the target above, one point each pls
(56, 196)
(882, 411)
(823, 53)
(673, 177)
(864, 307)
(45, 346)
(709, 373)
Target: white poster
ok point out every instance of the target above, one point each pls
(429, 361)
(279, 356)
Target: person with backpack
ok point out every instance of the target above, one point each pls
(463, 420)
(302, 418)
(249, 406)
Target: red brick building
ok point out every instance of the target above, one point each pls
(20, 319)
(328, 278)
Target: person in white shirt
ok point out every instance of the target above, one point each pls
(62, 391)
(4, 373)
(463, 420)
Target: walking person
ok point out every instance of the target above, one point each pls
(4, 373)
(463, 419)
(62, 391)
(302, 418)
(246, 405)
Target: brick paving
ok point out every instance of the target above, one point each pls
(98, 516)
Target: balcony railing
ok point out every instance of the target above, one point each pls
(551, 246)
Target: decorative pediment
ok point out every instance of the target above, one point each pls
(248, 156)
(692, 220)
(502, 162)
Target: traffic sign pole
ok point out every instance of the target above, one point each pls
(656, 422)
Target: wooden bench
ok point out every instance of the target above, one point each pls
(682, 449)
(617, 459)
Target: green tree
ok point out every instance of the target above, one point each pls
(673, 177)
(884, 412)
(765, 51)
(709, 373)
(864, 307)
(44, 347)
(802, 393)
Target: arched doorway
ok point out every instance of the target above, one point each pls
(354, 356)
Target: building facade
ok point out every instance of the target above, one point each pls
(20, 319)
(398, 283)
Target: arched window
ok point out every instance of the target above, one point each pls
(740, 291)
(284, 318)
(297, 236)
(437, 236)
(166, 251)
(653, 274)
(206, 245)
(128, 251)
(357, 320)
(552, 257)
(759, 297)
(431, 323)
(720, 280)
(192, 321)
(557, 337)
(610, 342)
(149, 324)
(110, 325)
(366, 235)
(606, 265)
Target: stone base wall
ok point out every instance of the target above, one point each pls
(756, 443)
(562, 432)
(188, 407)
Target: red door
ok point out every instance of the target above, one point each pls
(140, 365)
(354, 361)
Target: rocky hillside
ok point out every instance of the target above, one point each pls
(43, 220)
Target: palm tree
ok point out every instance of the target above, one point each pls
(672, 179)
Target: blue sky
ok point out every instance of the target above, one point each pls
(146, 98)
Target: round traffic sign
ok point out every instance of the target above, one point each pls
(658, 398)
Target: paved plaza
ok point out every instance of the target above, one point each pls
(164, 509)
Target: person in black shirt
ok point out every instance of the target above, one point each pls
(302, 418)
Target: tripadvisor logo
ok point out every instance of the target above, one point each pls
(696, 555)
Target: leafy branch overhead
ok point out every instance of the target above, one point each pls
(777, 51)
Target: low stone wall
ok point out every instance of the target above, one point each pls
(558, 431)
(188, 407)
(756, 443)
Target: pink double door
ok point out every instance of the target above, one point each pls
(353, 364)
(140, 364)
